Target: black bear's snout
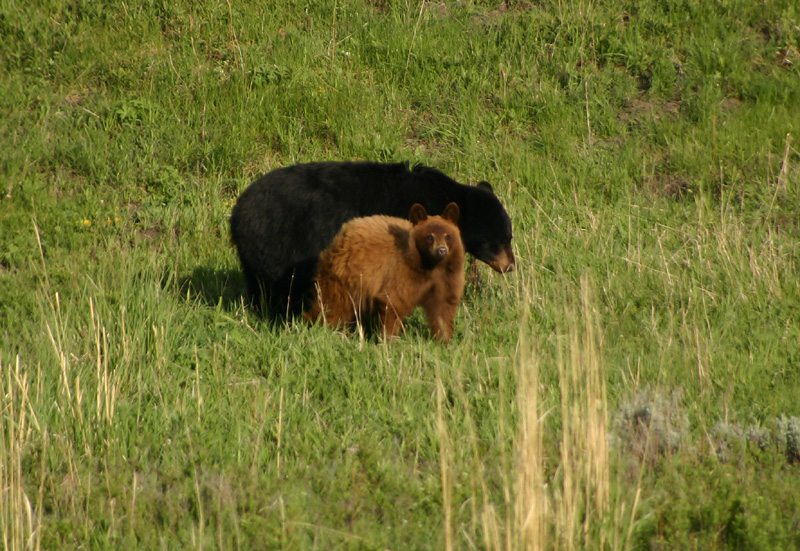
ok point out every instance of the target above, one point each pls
(441, 252)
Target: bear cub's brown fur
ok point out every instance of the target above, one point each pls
(386, 266)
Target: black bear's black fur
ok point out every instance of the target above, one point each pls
(283, 220)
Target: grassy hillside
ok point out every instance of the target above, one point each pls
(634, 385)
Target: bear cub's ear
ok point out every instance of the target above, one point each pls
(451, 213)
(417, 214)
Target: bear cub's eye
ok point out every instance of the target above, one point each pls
(447, 237)
(430, 238)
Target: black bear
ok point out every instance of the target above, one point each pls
(386, 266)
(283, 220)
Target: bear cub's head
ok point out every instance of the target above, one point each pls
(436, 237)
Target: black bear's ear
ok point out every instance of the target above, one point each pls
(485, 186)
(417, 214)
(451, 213)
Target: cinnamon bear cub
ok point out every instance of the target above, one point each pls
(385, 266)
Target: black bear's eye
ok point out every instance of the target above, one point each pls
(430, 239)
(447, 237)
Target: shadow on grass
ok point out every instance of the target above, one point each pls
(217, 288)
(227, 290)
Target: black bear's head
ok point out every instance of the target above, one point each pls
(487, 228)
(437, 238)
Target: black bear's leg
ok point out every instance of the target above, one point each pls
(256, 291)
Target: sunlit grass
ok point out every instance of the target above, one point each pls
(633, 386)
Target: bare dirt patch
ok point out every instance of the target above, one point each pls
(640, 110)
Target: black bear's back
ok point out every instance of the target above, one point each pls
(292, 213)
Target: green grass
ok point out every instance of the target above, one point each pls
(634, 385)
